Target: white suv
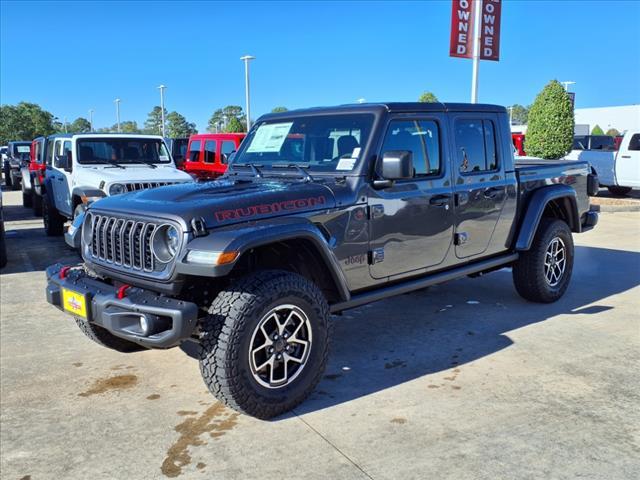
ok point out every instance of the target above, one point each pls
(83, 168)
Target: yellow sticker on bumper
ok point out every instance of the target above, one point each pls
(74, 303)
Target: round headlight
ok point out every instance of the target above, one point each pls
(116, 189)
(165, 243)
(172, 239)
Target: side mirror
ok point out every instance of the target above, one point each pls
(64, 161)
(228, 158)
(396, 165)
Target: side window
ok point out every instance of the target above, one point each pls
(634, 143)
(227, 148)
(475, 145)
(422, 139)
(49, 156)
(210, 151)
(194, 151)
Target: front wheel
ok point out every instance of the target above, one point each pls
(619, 191)
(265, 343)
(542, 273)
(37, 204)
(7, 176)
(53, 221)
(106, 339)
(26, 198)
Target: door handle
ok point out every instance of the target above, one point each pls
(439, 200)
(492, 192)
(625, 156)
(60, 179)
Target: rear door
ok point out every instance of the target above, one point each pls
(480, 185)
(411, 222)
(628, 162)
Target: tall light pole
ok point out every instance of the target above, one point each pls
(65, 124)
(566, 85)
(91, 119)
(117, 102)
(246, 59)
(161, 88)
(477, 9)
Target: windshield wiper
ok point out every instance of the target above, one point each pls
(305, 175)
(115, 164)
(150, 163)
(252, 166)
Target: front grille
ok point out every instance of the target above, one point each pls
(122, 242)
(135, 186)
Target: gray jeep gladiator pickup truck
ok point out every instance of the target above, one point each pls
(320, 211)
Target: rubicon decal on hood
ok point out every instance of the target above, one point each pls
(269, 208)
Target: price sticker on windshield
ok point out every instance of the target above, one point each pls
(269, 137)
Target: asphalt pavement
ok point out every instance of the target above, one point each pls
(464, 380)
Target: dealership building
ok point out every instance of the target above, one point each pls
(623, 118)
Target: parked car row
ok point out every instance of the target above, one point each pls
(319, 211)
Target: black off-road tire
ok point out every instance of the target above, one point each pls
(619, 191)
(105, 339)
(3, 246)
(7, 176)
(26, 198)
(226, 336)
(16, 183)
(37, 204)
(53, 221)
(529, 271)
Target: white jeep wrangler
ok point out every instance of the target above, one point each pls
(83, 168)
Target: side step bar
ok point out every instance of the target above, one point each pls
(417, 284)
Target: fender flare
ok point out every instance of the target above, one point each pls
(535, 209)
(26, 178)
(90, 192)
(246, 238)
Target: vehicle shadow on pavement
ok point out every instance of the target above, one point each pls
(30, 250)
(428, 332)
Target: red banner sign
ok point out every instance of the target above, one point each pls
(490, 30)
(461, 42)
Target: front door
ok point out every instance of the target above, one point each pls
(61, 181)
(628, 163)
(480, 183)
(411, 222)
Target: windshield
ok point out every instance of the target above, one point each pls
(21, 151)
(122, 151)
(327, 143)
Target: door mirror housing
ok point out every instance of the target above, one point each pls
(396, 165)
(64, 161)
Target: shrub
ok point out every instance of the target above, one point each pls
(597, 130)
(551, 123)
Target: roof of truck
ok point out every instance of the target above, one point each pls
(394, 107)
(104, 134)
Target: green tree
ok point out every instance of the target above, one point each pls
(519, 114)
(177, 126)
(128, 126)
(279, 110)
(234, 126)
(612, 132)
(428, 97)
(153, 124)
(597, 130)
(551, 123)
(223, 116)
(79, 125)
(24, 121)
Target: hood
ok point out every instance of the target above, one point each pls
(137, 173)
(222, 202)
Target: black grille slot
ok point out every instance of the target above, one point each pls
(122, 242)
(134, 187)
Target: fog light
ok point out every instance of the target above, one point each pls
(145, 325)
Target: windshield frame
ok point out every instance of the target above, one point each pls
(357, 170)
(123, 162)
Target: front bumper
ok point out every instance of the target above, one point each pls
(172, 321)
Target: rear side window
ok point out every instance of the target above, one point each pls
(421, 138)
(226, 149)
(194, 151)
(210, 151)
(476, 145)
(634, 143)
(602, 142)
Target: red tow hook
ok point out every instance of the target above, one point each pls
(63, 272)
(122, 291)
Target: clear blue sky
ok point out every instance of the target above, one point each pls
(73, 56)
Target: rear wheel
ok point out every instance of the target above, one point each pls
(53, 221)
(26, 198)
(265, 343)
(3, 246)
(15, 182)
(7, 176)
(542, 273)
(106, 339)
(619, 191)
(37, 204)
